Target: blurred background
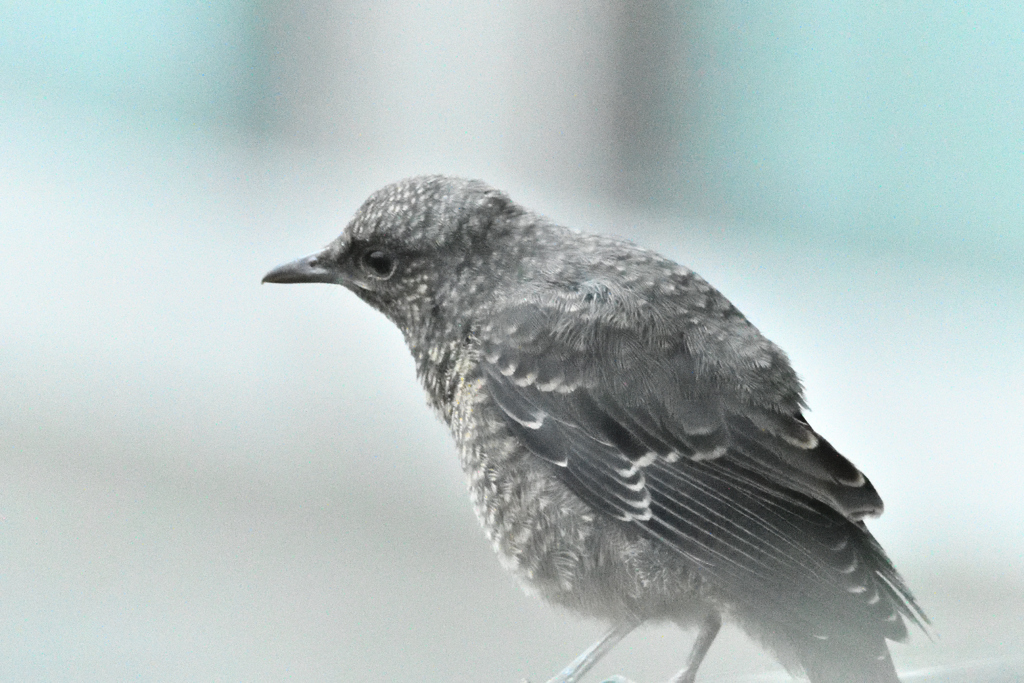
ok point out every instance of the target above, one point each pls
(208, 480)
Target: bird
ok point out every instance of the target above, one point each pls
(635, 449)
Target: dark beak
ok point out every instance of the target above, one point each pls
(313, 268)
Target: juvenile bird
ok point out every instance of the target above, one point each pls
(634, 447)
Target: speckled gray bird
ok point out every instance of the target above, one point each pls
(634, 447)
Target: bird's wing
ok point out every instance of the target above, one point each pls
(635, 424)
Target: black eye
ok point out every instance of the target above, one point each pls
(379, 263)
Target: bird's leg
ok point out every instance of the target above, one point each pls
(592, 654)
(708, 630)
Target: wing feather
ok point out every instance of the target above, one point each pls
(639, 429)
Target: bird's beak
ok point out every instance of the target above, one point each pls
(316, 267)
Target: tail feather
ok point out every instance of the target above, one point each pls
(847, 661)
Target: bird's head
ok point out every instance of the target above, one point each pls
(407, 245)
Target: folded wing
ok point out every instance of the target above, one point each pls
(750, 494)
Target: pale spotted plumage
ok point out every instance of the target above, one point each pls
(635, 449)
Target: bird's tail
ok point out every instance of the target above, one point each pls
(846, 661)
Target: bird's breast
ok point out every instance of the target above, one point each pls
(556, 545)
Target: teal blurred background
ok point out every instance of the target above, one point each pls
(205, 479)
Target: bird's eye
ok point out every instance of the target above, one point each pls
(379, 263)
